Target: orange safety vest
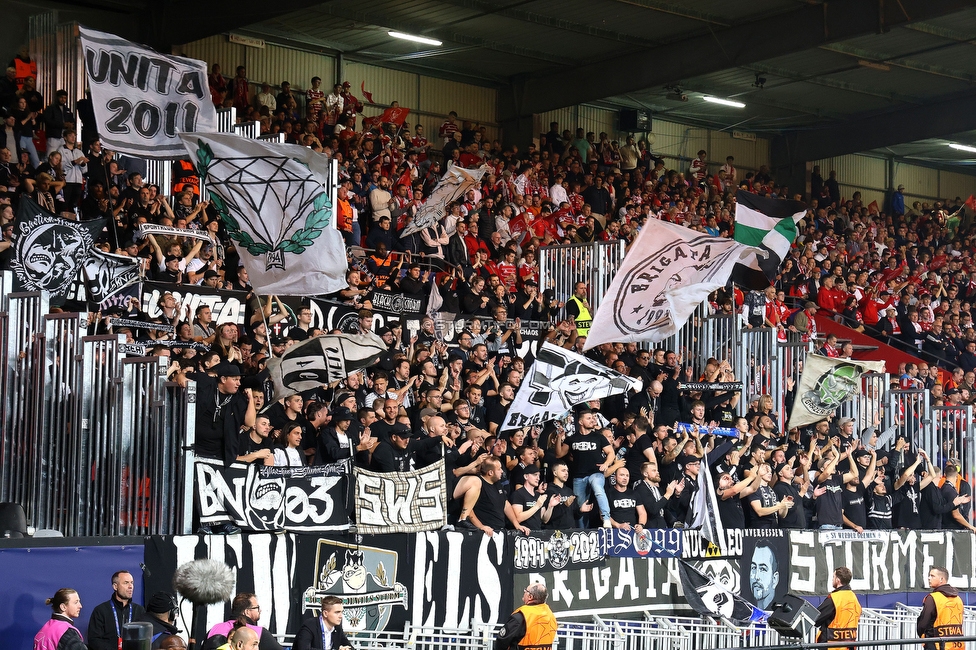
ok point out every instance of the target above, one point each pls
(540, 626)
(344, 211)
(847, 613)
(948, 619)
(25, 69)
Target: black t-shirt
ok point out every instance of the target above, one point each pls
(909, 515)
(765, 497)
(731, 512)
(830, 505)
(588, 453)
(855, 507)
(490, 507)
(563, 516)
(623, 506)
(521, 497)
(635, 455)
(246, 445)
(219, 419)
(796, 516)
(495, 412)
(654, 505)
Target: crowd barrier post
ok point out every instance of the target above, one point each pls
(953, 430)
(908, 411)
(595, 263)
(24, 397)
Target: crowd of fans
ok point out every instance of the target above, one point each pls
(905, 275)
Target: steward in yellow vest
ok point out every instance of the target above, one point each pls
(532, 626)
(840, 611)
(942, 612)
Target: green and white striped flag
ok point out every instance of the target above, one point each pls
(769, 224)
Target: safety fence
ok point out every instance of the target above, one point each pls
(93, 443)
(648, 632)
(562, 267)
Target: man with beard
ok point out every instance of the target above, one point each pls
(763, 575)
(592, 455)
(648, 494)
(764, 507)
(529, 500)
(562, 510)
(244, 608)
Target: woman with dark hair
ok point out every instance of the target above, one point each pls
(59, 633)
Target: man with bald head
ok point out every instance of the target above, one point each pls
(244, 639)
(532, 625)
(648, 401)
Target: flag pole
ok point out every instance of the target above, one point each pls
(264, 319)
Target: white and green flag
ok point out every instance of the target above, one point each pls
(274, 202)
(827, 383)
(769, 224)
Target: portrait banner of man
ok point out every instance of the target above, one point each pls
(765, 568)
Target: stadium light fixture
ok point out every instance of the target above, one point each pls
(962, 147)
(415, 39)
(723, 102)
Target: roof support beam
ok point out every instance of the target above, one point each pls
(810, 25)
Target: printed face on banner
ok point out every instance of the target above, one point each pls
(364, 577)
(50, 252)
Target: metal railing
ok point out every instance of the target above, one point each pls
(596, 264)
(92, 443)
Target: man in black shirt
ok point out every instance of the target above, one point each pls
(648, 493)
(855, 511)
(527, 501)
(959, 493)
(793, 486)
(730, 496)
(107, 619)
(485, 505)
(255, 447)
(592, 455)
(562, 510)
(399, 453)
(830, 505)
(626, 512)
(764, 507)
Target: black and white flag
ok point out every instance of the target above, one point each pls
(401, 502)
(107, 274)
(709, 597)
(558, 380)
(768, 224)
(455, 183)
(144, 99)
(274, 202)
(321, 360)
(668, 271)
(51, 253)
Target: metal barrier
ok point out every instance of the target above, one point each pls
(952, 428)
(226, 119)
(908, 411)
(596, 264)
(160, 174)
(868, 409)
(92, 444)
(249, 130)
(277, 138)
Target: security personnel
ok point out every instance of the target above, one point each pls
(578, 308)
(532, 626)
(840, 611)
(942, 612)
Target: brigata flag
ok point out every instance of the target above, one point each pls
(558, 380)
(769, 224)
(143, 99)
(826, 384)
(274, 202)
(321, 360)
(455, 184)
(668, 271)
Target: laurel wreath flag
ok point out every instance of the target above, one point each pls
(274, 203)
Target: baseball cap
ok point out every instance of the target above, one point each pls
(227, 369)
(810, 305)
(530, 469)
(401, 431)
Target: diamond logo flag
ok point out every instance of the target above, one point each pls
(668, 271)
(455, 183)
(321, 360)
(275, 205)
(826, 384)
(769, 224)
(557, 381)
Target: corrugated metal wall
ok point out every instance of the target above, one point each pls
(869, 175)
(678, 143)
(272, 63)
(429, 99)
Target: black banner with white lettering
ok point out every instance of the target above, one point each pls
(225, 306)
(555, 550)
(272, 498)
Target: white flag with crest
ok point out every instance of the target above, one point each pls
(274, 202)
